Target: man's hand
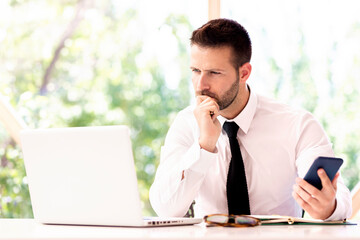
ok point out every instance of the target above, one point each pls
(320, 204)
(206, 113)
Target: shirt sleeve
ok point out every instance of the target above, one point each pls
(170, 195)
(312, 143)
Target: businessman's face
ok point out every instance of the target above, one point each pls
(214, 75)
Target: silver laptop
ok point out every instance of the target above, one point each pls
(85, 176)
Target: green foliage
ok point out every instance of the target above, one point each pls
(334, 104)
(14, 193)
(110, 72)
(102, 77)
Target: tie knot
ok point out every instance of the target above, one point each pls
(231, 128)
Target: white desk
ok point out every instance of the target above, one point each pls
(29, 229)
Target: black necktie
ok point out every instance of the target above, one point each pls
(236, 187)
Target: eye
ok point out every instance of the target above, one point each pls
(214, 72)
(195, 70)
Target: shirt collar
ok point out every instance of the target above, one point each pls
(245, 117)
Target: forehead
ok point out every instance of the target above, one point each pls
(210, 57)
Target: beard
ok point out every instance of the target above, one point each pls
(225, 100)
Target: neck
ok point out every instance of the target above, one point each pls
(238, 104)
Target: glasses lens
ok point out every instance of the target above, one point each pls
(245, 220)
(218, 219)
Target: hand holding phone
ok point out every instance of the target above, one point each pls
(329, 164)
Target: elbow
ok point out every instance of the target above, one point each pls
(165, 208)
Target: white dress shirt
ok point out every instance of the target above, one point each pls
(277, 144)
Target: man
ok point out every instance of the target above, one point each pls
(201, 159)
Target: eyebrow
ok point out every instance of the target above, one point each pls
(211, 69)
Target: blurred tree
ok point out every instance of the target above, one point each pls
(82, 63)
(14, 191)
(101, 63)
(338, 110)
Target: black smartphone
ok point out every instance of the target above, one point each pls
(329, 164)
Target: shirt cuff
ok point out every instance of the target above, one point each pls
(338, 212)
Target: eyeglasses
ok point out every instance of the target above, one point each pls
(231, 220)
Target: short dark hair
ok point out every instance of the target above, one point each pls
(225, 32)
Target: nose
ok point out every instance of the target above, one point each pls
(202, 82)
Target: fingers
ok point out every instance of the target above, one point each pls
(306, 192)
(208, 105)
(200, 99)
(206, 113)
(318, 203)
(313, 191)
(304, 205)
(306, 201)
(203, 99)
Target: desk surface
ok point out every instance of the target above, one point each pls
(29, 229)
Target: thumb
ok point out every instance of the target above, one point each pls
(334, 181)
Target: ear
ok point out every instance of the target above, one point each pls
(244, 72)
